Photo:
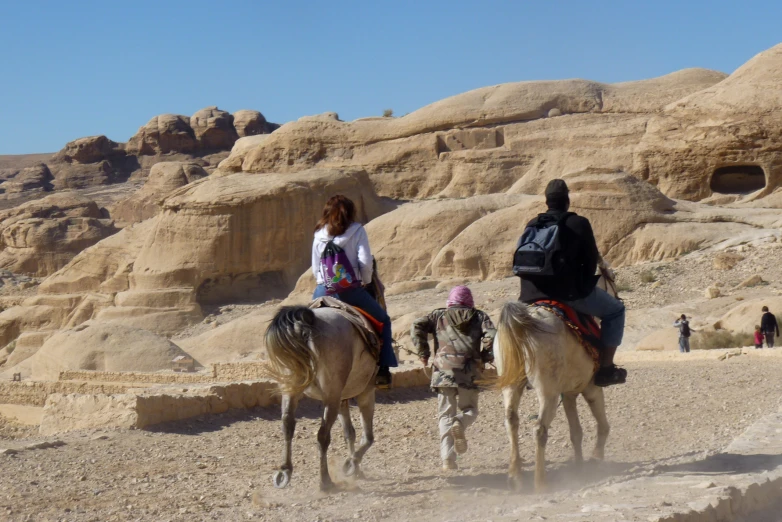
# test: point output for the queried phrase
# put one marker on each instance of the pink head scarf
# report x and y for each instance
(460, 296)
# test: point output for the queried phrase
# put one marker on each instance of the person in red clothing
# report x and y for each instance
(758, 337)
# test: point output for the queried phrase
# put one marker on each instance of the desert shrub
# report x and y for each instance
(727, 260)
(387, 113)
(625, 287)
(647, 276)
(12, 346)
(710, 340)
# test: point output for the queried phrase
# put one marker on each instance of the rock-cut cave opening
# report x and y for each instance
(738, 179)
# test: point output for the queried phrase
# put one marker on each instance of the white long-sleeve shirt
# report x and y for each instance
(354, 242)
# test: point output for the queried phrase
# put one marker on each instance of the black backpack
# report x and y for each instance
(685, 330)
(540, 252)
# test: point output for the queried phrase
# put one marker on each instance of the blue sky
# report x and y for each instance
(79, 68)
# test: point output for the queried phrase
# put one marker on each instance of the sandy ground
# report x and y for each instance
(219, 468)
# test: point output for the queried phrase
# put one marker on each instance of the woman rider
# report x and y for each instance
(338, 228)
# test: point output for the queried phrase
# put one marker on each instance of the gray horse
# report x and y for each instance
(320, 354)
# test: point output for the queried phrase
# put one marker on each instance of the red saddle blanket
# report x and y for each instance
(584, 326)
(375, 323)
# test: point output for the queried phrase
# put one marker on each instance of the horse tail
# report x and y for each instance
(516, 343)
(292, 362)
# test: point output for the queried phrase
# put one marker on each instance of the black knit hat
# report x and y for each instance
(557, 193)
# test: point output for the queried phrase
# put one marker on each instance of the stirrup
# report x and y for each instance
(383, 381)
(611, 377)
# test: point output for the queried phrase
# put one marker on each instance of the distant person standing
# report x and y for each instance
(758, 337)
(769, 327)
(684, 333)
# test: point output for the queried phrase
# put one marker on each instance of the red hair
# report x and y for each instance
(338, 214)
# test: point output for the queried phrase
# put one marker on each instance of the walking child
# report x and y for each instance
(463, 339)
(758, 337)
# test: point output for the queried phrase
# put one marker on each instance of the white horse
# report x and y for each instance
(534, 345)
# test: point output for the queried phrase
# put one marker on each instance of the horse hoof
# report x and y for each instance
(349, 468)
(514, 483)
(328, 487)
(281, 478)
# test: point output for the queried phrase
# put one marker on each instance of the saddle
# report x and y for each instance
(366, 325)
(583, 326)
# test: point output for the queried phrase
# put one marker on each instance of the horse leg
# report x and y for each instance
(330, 412)
(511, 396)
(596, 400)
(282, 476)
(548, 409)
(347, 427)
(576, 433)
(366, 407)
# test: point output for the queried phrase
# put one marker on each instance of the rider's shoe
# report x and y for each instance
(459, 440)
(383, 377)
(610, 375)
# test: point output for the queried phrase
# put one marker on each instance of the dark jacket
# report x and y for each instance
(768, 323)
(581, 253)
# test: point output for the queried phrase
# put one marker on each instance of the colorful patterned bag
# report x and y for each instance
(336, 270)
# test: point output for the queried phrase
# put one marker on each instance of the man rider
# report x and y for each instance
(576, 286)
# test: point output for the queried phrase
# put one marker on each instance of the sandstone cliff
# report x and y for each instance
(220, 239)
(661, 167)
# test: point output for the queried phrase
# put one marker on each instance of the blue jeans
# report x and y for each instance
(361, 298)
(609, 309)
(684, 344)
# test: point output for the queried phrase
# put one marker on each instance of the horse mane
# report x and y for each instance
(291, 361)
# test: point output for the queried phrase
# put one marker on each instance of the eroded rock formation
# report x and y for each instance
(28, 181)
(42, 236)
(163, 134)
(205, 139)
(102, 347)
(163, 179)
(675, 131)
(230, 238)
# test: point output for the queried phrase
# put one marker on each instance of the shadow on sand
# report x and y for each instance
(725, 463)
(308, 409)
(567, 476)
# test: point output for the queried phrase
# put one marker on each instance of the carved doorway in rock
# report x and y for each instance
(738, 179)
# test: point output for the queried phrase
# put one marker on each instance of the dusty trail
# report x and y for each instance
(219, 468)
